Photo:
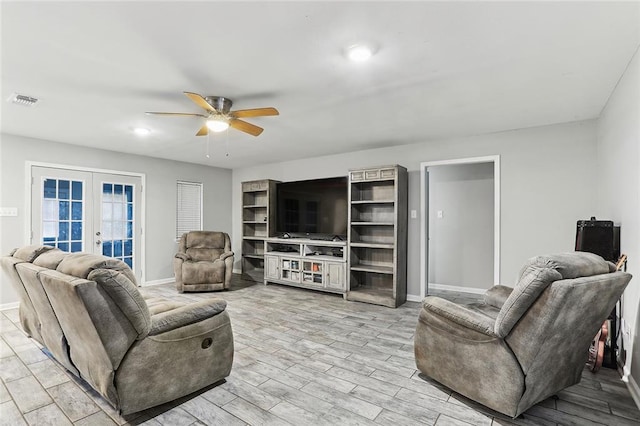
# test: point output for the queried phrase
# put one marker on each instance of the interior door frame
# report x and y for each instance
(28, 169)
(424, 215)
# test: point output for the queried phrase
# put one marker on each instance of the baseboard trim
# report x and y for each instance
(12, 305)
(158, 282)
(457, 288)
(414, 298)
(634, 389)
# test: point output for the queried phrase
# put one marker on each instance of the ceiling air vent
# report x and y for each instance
(22, 99)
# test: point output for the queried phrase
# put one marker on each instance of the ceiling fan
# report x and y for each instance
(219, 116)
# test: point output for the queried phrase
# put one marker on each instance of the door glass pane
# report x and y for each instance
(61, 220)
(117, 221)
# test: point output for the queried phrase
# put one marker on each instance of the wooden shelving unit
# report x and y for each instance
(258, 224)
(377, 236)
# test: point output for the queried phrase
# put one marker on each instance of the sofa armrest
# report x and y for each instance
(226, 254)
(183, 256)
(459, 314)
(185, 315)
(497, 295)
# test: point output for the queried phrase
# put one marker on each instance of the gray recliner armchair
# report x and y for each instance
(204, 261)
(522, 344)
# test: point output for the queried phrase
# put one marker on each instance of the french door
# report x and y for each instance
(87, 211)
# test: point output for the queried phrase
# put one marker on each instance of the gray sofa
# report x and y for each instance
(136, 351)
(522, 344)
(204, 261)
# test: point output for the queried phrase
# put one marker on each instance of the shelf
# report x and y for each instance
(372, 224)
(255, 206)
(372, 295)
(254, 222)
(373, 268)
(373, 245)
(254, 238)
(372, 201)
(283, 253)
(253, 256)
(319, 258)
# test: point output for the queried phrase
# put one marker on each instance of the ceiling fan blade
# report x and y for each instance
(188, 114)
(204, 131)
(255, 112)
(200, 101)
(243, 126)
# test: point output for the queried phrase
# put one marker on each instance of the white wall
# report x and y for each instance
(618, 134)
(160, 193)
(461, 241)
(547, 184)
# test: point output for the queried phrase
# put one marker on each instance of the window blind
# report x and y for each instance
(189, 208)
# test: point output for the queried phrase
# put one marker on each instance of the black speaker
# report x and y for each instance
(598, 236)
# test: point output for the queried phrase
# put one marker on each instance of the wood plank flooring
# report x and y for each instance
(301, 358)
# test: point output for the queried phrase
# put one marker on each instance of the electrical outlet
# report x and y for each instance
(440, 214)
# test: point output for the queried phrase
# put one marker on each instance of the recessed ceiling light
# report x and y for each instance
(141, 131)
(359, 52)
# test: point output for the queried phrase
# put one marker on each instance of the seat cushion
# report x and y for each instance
(203, 272)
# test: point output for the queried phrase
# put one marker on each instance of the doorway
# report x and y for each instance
(460, 224)
(86, 210)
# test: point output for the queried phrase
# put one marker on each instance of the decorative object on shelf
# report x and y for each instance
(377, 235)
(258, 224)
(219, 116)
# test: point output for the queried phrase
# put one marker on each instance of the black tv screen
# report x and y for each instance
(312, 208)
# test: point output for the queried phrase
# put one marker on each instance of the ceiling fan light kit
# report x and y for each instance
(219, 116)
(218, 124)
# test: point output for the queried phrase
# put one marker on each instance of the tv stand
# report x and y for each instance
(313, 264)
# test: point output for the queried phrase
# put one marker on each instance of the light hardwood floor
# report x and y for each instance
(301, 358)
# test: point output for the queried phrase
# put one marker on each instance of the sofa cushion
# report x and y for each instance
(50, 259)
(81, 264)
(533, 281)
(209, 254)
(30, 253)
(126, 296)
(571, 265)
(205, 239)
(203, 272)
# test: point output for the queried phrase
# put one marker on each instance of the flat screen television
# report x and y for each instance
(315, 209)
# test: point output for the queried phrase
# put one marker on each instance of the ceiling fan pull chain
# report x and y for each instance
(207, 152)
(227, 144)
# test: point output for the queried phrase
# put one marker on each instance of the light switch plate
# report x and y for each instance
(8, 211)
(414, 214)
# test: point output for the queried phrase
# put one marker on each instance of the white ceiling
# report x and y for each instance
(441, 70)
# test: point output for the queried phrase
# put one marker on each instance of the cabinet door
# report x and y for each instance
(271, 267)
(335, 275)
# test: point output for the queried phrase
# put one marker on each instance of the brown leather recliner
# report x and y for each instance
(204, 261)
